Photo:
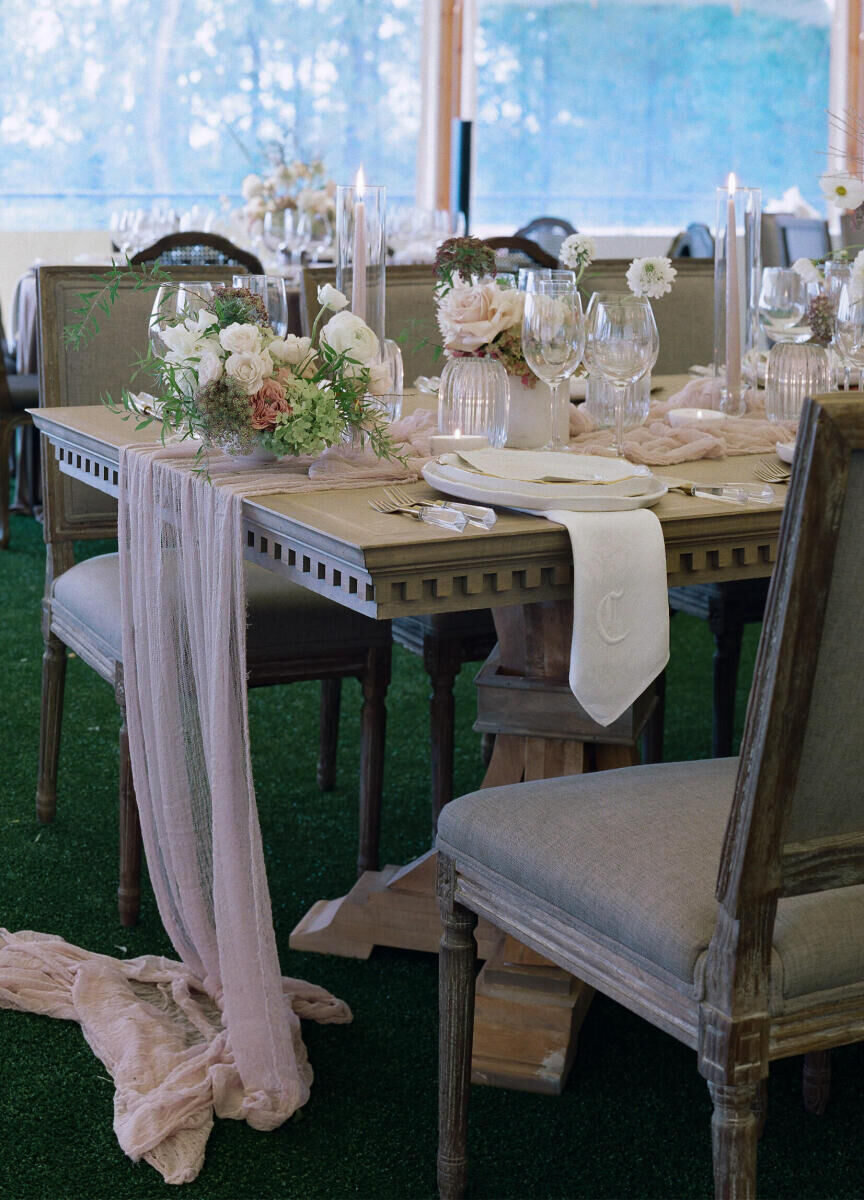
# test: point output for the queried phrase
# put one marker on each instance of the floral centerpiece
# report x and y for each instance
(291, 185)
(222, 374)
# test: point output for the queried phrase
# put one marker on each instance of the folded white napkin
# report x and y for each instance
(620, 607)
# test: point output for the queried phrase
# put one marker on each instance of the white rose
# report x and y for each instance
(290, 349)
(471, 315)
(252, 185)
(241, 339)
(202, 322)
(249, 369)
(209, 368)
(807, 269)
(348, 334)
(330, 297)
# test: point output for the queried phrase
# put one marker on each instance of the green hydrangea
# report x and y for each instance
(313, 423)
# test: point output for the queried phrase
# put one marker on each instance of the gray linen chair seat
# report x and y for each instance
(89, 592)
(23, 391)
(583, 845)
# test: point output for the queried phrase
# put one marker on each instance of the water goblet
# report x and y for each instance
(274, 297)
(621, 345)
(848, 339)
(782, 303)
(553, 341)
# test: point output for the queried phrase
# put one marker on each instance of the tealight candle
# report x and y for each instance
(452, 443)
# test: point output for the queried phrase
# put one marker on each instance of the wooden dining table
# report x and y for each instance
(332, 542)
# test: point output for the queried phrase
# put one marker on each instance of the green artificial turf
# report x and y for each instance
(633, 1120)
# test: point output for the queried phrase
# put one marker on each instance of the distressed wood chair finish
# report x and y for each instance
(17, 394)
(293, 634)
(722, 901)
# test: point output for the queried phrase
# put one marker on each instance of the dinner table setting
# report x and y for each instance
(498, 492)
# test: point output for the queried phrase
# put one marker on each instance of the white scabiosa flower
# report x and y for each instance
(651, 277)
(577, 251)
(842, 189)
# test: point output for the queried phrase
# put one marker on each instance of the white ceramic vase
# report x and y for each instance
(529, 421)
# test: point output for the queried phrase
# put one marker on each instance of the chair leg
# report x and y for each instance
(442, 659)
(129, 887)
(7, 430)
(373, 725)
(817, 1081)
(53, 683)
(331, 698)
(727, 653)
(457, 961)
(734, 1130)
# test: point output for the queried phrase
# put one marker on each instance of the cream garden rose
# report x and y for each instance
(472, 315)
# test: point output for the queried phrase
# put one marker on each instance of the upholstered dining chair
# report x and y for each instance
(547, 232)
(513, 252)
(17, 394)
(696, 241)
(721, 900)
(292, 634)
(195, 248)
(786, 238)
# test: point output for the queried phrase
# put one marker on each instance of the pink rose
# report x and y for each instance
(267, 403)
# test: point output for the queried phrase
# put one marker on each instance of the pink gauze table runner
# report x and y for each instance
(219, 1031)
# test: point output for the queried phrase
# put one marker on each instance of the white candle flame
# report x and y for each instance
(732, 183)
(457, 432)
(360, 183)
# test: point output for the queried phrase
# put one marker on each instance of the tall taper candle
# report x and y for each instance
(733, 301)
(358, 278)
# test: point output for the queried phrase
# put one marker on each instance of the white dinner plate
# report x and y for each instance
(582, 473)
(786, 451)
(535, 497)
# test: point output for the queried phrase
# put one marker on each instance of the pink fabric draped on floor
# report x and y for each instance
(219, 1031)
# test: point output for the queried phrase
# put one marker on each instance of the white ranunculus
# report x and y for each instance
(348, 334)
(241, 339)
(290, 349)
(202, 321)
(842, 190)
(181, 342)
(807, 269)
(331, 297)
(249, 369)
(252, 185)
(651, 277)
(472, 315)
(209, 368)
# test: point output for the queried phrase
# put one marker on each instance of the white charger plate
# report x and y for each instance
(785, 451)
(535, 497)
(583, 473)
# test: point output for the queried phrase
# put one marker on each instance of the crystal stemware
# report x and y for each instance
(782, 303)
(553, 341)
(274, 296)
(621, 345)
(848, 339)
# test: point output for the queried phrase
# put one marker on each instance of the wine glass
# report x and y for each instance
(553, 340)
(782, 303)
(848, 338)
(271, 289)
(175, 302)
(621, 345)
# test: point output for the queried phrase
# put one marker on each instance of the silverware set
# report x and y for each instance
(443, 513)
(772, 470)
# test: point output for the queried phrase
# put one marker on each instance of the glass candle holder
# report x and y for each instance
(737, 278)
(361, 251)
(795, 371)
(474, 399)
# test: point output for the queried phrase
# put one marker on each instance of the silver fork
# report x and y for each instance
(770, 471)
(476, 514)
(444, 518)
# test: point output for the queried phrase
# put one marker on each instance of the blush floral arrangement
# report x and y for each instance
(290, 185)
(222, 375)
(480, 312)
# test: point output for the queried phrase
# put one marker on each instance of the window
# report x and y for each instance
(627, 113)
(116, 103)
